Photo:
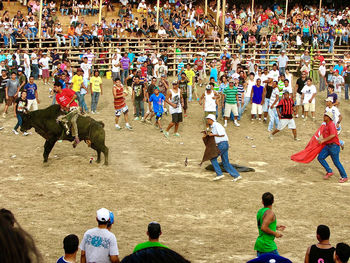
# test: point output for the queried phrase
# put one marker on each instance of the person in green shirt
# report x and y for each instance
(267, 226)
(153, 233)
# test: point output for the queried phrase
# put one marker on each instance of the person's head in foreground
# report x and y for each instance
(323, 233)
(154, 231)
(210, 119)
(267, 199)
(327, 117)
(16, 245)
(341, 253)
(155, 255)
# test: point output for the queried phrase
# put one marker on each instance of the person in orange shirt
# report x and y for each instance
(73, 37)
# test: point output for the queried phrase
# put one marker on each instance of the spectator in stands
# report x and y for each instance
(70, 246)
(104, 251)
(323, 251)
(153, 232)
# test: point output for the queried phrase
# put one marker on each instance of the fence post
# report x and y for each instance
(175, 59)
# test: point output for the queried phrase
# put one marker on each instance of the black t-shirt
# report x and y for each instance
(130, 80)
(21, 105)
(3, 83)
(318, 253)
(268, 91)
(183, 86)
(138, 89)
(301, 83)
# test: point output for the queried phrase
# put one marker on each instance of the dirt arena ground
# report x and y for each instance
(147, 181)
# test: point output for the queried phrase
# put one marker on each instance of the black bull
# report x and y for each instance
(44, 123)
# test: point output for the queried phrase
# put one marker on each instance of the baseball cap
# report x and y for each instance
(208, 87)
(102, 215)
(329, 99)
(323, 62)
(283, 51)
(211, 116)
(175, 82)
(163, 75)
(20, 69)
(329, 114)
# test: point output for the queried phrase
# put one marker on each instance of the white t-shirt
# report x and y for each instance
(282, 61)
(115, 66)
(336, 113)
(26, 60)
(45, 62)
(274, 74)
(275, 94)
(161, 32)
(248, 91)
(217, 128)
(34, 58)
(308, 92)
(98, 245)
(322, 70)
(86, 68)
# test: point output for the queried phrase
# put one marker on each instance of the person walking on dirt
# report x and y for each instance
(267, 226)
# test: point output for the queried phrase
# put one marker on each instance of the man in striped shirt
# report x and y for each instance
(285, 109)
(119, 104)
(231, 95)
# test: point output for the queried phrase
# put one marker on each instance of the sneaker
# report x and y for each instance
(327, 176)
(296, 116)
(92, 112)
(136, 119)
(237, 178)
(296, 139)
(142, 119)
(118, 127)
(265, 120)
(128, 127)
(259, 119)
(1, 128)
(177, 134)
(218, 177)
(4, 115)
(343, 180)
(161, 130)
(25, 134)
(15, 132)
(166, 134)
(225, 125)
(302, 116)
(271, 136)
(236, 124)
(342, 146)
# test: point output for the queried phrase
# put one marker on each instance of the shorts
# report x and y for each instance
(230, 108)
(298, 99)
(45, 73)
(284, 122)
(256, 109)
(176, 117)
(158, 115)
(10, 100)
(184, 96)
(309, 107)
(2, 96)
(119, 112)
(266, 105)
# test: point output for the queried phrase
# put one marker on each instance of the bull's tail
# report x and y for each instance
(101, 123)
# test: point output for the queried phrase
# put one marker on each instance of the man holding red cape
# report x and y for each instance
(329, 145)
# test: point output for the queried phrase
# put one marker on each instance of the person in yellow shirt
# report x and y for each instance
(190, 75)
(96, 90)
(77, 85)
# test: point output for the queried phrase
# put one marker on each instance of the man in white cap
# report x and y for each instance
(99, 244)
(332, 148)
(221, 140)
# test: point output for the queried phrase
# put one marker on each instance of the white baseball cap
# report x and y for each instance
(329, 99)
(211, 116)
(102, 215)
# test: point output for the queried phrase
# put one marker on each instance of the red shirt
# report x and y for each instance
(264, 17)
(223, 65)
(65, 97)
(144, 71)
(328, 130)
(119, 103)
(199, 64)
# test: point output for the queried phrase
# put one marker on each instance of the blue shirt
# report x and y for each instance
(2, 57)
(157, 102)
(30, 88)
(61, 260)
(180, 66)
(339, 68)
(214, 74)
(131, 56)
(176, 24)
(63, 84)
(257, 94)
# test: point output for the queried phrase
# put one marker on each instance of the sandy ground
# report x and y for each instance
(147, 180)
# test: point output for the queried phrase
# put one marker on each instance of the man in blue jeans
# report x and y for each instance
(332, 148)
(221, 140)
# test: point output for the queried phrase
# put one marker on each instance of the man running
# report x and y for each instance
(176, 102)
(332, 148)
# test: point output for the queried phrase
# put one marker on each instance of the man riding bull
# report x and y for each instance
(66, 98)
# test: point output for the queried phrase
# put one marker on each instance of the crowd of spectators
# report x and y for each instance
(266, 27)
